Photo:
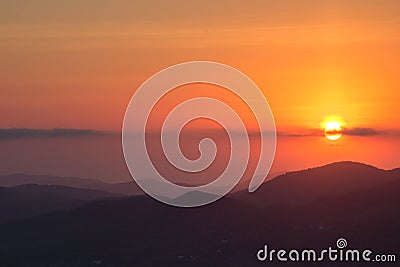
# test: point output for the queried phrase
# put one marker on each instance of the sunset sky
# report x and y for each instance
(76, 64)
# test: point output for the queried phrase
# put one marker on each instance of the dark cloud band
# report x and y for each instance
(360, 131)
(345, 131)
(14, 133)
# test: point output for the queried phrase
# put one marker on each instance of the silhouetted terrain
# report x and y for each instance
(30, 200)
(139, 231)
(302, 187)
(127, 188)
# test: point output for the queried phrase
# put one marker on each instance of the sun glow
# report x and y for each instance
(333, 127)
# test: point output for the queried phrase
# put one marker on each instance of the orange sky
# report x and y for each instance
(76, 65)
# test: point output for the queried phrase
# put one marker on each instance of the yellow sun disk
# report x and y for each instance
(332, 137)
(333, 130)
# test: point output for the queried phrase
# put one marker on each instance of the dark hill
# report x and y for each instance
(127, 188)
(139, 231)
(302, 187)
(30, 200)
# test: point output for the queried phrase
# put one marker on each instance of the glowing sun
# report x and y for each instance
(333, 126)
(333, 130)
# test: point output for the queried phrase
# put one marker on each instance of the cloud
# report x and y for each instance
(14, 133)
(299, 134)
(361, 131)
(358, 131)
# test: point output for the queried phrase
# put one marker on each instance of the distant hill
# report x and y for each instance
(190, 198)
(127, 188)
(139, 231)
(30, 200)
(301, 187)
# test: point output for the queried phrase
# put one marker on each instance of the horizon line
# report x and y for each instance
(27, 133)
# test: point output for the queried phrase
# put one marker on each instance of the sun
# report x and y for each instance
(333, 130)
(333, 127)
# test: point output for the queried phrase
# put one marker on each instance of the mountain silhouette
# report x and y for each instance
(126, 188)
(30, 200)
(301, 187)
(139, 231)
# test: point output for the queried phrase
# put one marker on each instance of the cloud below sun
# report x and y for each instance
(17, 133)
(357, 131)
(27, 133)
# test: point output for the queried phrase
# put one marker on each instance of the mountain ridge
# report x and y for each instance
(28, 200)
(302, 186)
(126, 188)
(228, 232)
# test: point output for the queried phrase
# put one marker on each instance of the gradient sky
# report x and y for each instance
(75, 64)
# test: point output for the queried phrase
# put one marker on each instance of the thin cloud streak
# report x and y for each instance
(24, 133)
(361, 131)
(16, 133)
(358, 131)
